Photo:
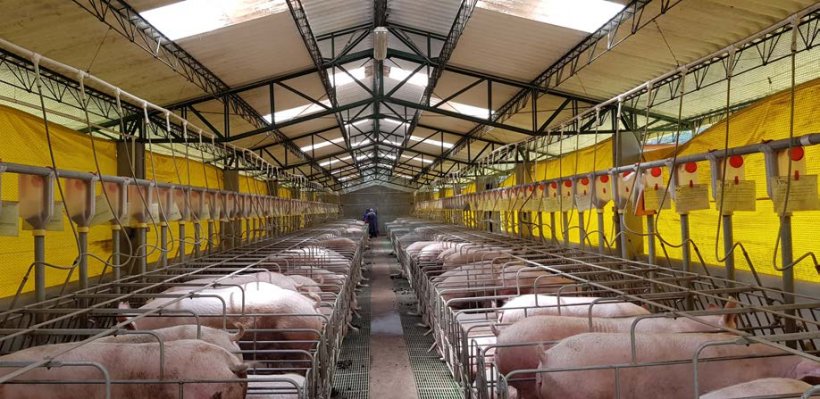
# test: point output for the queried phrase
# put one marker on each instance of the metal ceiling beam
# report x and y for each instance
(302, 119)
(456, 115)
(569, 64)
(302, 24)
(370, 146)
(123, 19)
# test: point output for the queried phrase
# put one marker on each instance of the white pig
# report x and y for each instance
(510, 355)
(259, 299)
(210, 335)
(130, 362)
(277, 279)
(458, 259)
(534, 305)
(660, 381)
(338, 244)
(307, 284)
(765, 386)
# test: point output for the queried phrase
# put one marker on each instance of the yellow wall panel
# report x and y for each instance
(24, 141)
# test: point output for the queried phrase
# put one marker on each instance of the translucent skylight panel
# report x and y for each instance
(323, 144)
(334, 160)
(417, 158)
(342, 78)
(463, 109)
(432, 142)
(295, 112)
(417, 79)
(193, 17)
(583, 15)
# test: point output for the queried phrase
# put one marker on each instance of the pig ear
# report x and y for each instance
(730, 320)
(808, 372)
(123, 319)
(240, 370)
(542, 355)
(712, 306)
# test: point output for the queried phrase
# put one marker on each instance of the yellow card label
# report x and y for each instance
(802, 194)
(9, 219)
(583, 202)
(736, 196)
(654, 200)
(692, 198)
(550, 204)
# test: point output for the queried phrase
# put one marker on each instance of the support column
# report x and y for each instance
(627, 151)
(130, 163)
(523, 175)
(229, 230)
(485, 219)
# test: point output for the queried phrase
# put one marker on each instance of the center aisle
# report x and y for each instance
(399, 365)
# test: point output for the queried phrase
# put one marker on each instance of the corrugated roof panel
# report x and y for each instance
(326, 16)
(647, 55)
(67, 33)
(434, 16)
(509, 46)
(251, 50)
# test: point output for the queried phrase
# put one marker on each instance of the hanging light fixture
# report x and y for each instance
(380, 43)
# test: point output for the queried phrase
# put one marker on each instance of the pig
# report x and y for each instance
(338, 244)
(452, 283)
(307, 284)
(519, 280)
(535, 305)
(130, 362)
(761, 387)
(464, 258)
(259, 298)
(510, 356)
(210, 335)
(457, 248)
(498, 279)
(431, 252)
(279, 386)
(660, 381)
(414, 248)
(277, 279)
(331, 282)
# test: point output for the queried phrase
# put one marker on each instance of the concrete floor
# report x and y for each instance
(391, 375)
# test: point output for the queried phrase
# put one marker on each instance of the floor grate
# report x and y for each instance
(433, 378)
(352, 378)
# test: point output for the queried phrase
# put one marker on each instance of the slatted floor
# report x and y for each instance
(432, 379)
(353, 367)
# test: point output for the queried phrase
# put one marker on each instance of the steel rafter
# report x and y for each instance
(302, 24)
(126, 21)
(370, 147)
(463, 15)
(571, 63)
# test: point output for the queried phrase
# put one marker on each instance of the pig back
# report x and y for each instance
(130, 362)
(675, 380)
(765, 386)
(528, 305)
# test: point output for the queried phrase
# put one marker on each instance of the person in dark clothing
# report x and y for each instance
(372, 222)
